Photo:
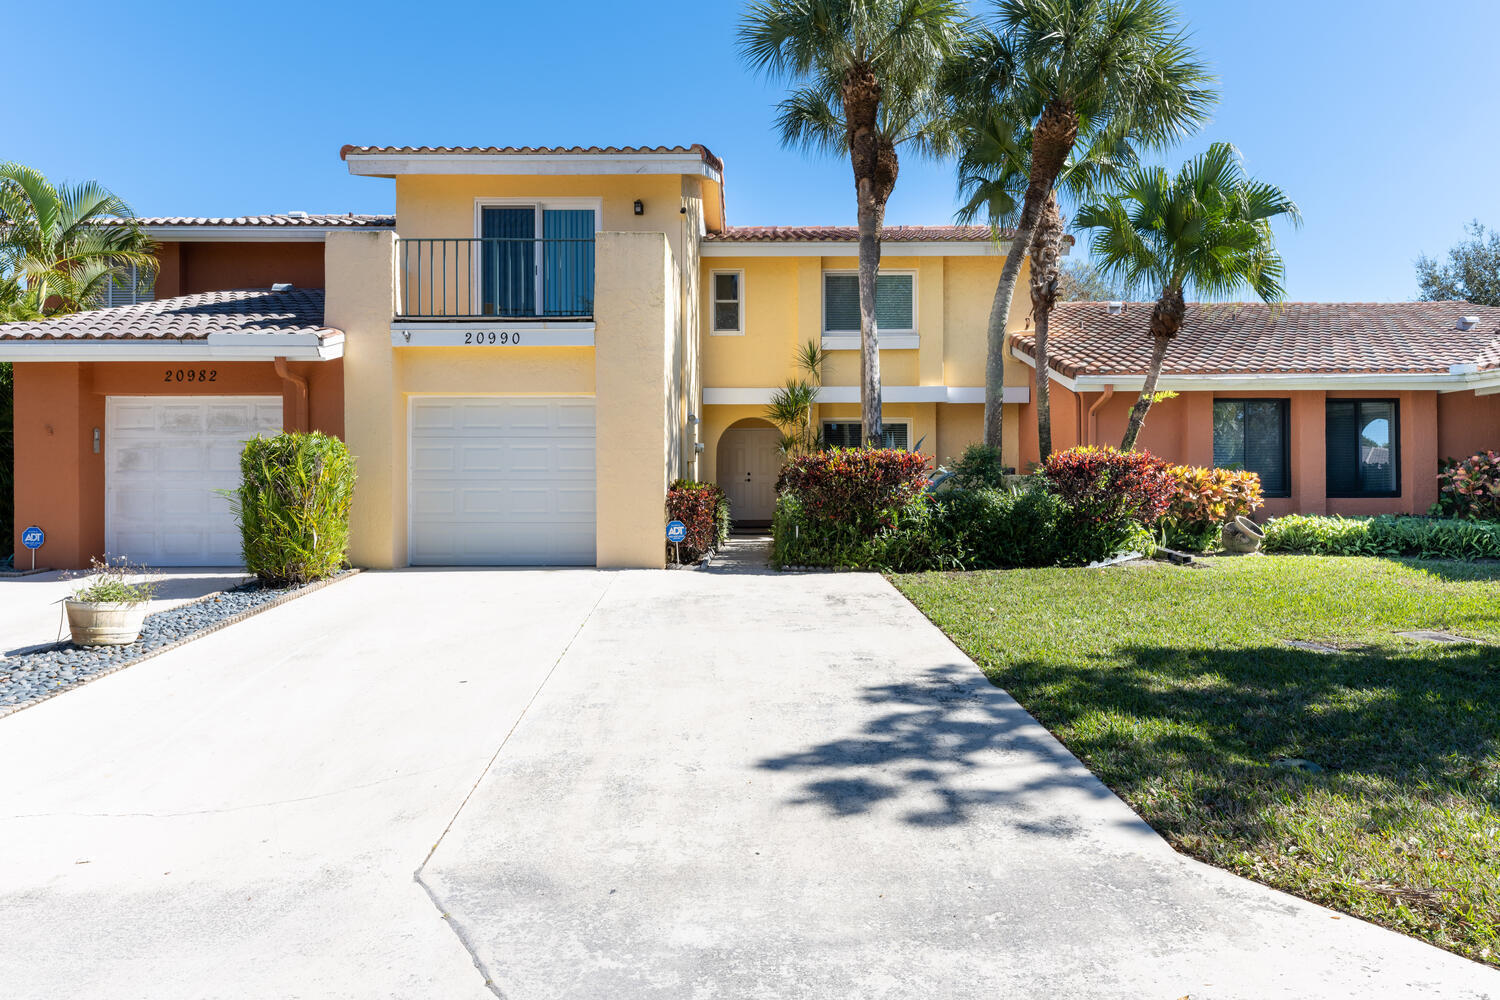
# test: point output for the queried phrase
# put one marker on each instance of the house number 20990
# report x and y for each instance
(191, 375)
(486, 338)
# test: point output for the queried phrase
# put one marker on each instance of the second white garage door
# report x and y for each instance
(502, 481)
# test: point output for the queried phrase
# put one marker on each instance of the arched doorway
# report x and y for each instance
(749, 460)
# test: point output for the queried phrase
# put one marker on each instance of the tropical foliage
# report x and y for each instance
(864, 78)
(703, 509)
(793, 406)
(55, 256)
(1202, 500)
(293, 506)
(1050, 71)
(1470, 487)
(1471, 273)
(979, 467)
(1386, 535)
(1205, 230)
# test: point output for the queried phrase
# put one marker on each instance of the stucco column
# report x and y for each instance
(1419, 449)
(633, 384)
(51, 442)
(360, 301)
(1309, 453)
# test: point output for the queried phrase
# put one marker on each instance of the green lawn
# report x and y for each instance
(1175, 686)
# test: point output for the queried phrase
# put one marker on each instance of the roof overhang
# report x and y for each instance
(759, 396)
(214, 347)
(1484, 383)
(252, 234)
(850, 248)
(533, 164)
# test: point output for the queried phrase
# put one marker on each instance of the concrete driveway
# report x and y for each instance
(628, 785)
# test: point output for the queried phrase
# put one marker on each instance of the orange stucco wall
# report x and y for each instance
(189, 268)
(1431, 425)
(59, 477)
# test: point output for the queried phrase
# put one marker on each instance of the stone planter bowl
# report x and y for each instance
(105, 623)
(1241, 535)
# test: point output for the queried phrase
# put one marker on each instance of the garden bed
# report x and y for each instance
(1267, 716)
(45, 671)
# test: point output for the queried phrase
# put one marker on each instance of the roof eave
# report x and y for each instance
(391, 164)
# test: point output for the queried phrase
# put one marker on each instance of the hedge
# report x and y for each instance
(1386, 535)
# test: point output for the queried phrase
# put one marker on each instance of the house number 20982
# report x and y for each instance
(491, 337)
(190, 375)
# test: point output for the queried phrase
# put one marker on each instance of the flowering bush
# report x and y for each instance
(860, 488)
(704, 511)
(1470, 487)
(1203, 499)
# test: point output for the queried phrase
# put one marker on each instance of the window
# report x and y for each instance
(128, 289)
(729, 303)
(895, 302)
(1251, 434)
(1363, 459)
(850, 434)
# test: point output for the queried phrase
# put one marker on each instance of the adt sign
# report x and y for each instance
(676, 531)
(33, 537)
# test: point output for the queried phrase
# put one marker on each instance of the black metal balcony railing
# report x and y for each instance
(496, 278)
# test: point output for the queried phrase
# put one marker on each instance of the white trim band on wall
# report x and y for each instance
(850, 394)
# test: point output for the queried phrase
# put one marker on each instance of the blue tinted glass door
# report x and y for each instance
(568, 262)
(508, 261)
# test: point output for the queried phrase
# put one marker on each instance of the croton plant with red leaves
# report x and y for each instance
(1108, 485)
(1470, 487)
(863, 487)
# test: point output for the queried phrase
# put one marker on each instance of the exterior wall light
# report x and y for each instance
(640, 207)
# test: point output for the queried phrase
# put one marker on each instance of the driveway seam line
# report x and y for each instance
(458, 931)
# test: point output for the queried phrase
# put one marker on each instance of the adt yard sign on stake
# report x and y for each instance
(32, 538)
(676, 531)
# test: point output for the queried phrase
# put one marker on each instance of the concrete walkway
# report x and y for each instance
(674, 784)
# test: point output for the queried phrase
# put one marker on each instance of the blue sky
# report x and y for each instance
(1378, 117)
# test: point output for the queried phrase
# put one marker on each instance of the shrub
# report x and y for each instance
(1386, 535)
(703, 508)
(1111, 496)
(979, 468)
(907, 543)
(1000, 529)
(1202, 500)
(116, 581)
(863, 489)
(1470, 487)
(293, 506)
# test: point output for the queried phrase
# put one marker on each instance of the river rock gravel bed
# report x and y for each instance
(44, 671)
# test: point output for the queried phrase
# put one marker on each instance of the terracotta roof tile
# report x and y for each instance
(351, 221)
(702, 150)
(188, 317)
(1255, 338)
(844, 234)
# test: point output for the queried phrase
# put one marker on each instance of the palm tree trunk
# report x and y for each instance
(1052, 140)
(1166, 321)
(873, 157)
(871, 219)
(1046, 251)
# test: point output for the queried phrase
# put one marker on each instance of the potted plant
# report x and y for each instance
(109, 606)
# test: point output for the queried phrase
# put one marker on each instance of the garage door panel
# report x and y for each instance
(165, 461)
(520, 488)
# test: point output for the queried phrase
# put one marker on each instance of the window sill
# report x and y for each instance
(888, 341)
(726, 333)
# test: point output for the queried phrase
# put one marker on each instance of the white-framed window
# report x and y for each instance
(895, 302)
(130, 287)
(850, 434)
(728, 290)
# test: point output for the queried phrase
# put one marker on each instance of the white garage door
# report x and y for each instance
(502, 481)
(164, 460)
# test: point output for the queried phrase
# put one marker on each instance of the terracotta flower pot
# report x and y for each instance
(105, 623)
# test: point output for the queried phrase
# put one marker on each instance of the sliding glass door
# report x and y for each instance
(533, 256)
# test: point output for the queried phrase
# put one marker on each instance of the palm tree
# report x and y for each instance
(55, 256)
(1206, 229)
(993, 177)
(864, 75)
(1118, 67)
(793, 406)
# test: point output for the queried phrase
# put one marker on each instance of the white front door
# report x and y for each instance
(750, 461)
(165, 459)
(502, 481)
